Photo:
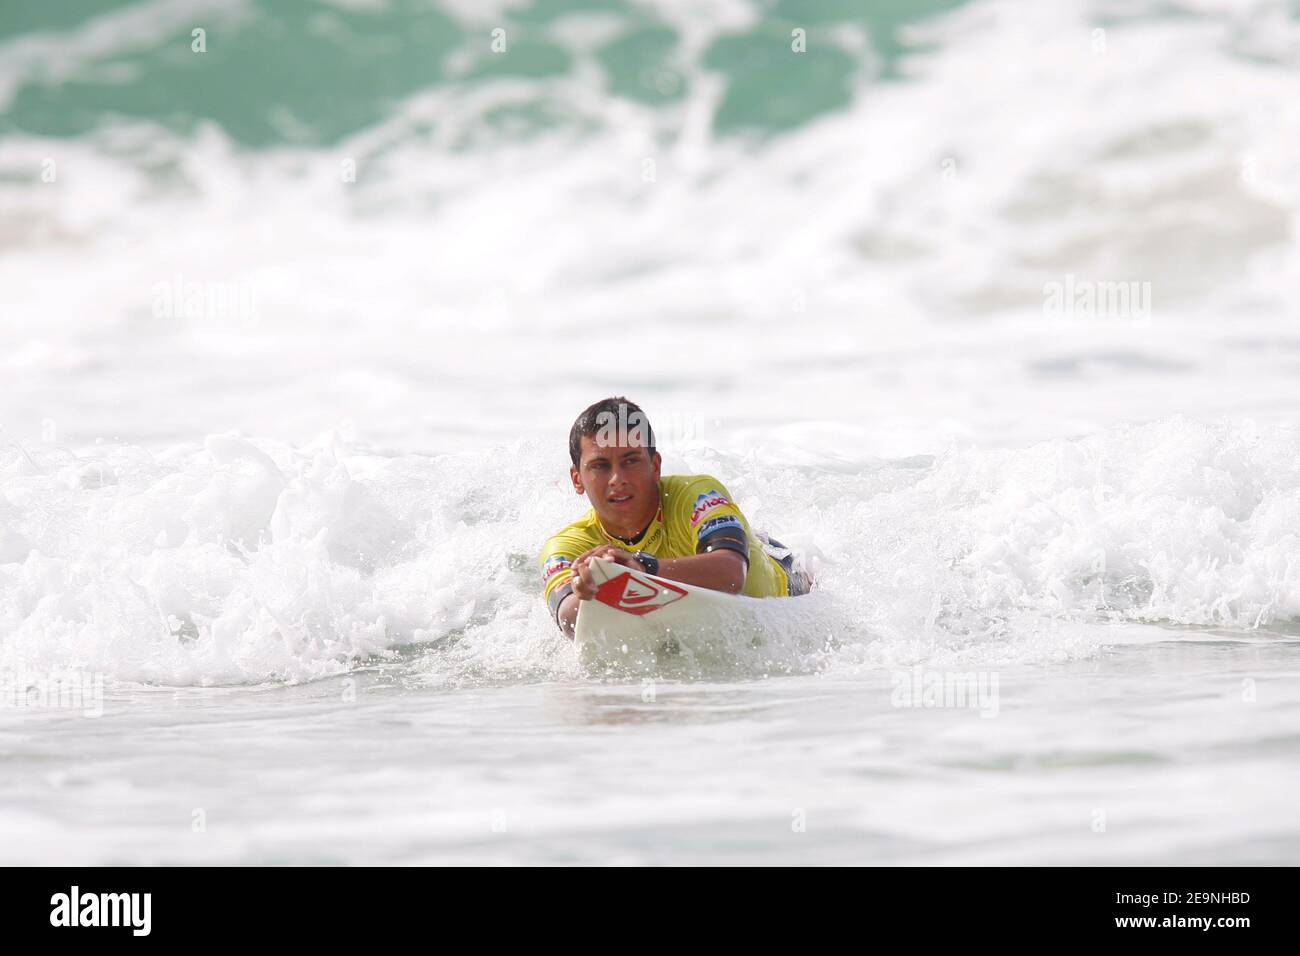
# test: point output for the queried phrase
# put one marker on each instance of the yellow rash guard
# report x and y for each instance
(696, 514)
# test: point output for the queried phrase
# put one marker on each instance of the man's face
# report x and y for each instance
(621, 481)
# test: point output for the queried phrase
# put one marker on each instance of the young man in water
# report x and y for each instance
(682, 527)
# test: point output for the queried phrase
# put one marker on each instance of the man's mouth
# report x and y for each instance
(619, 499)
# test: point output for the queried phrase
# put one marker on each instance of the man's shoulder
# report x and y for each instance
(576, 537)
(690, 496)
(700, 484)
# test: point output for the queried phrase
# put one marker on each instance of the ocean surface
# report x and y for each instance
(988, 308)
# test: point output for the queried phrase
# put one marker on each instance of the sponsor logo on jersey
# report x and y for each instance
(717, 524)
(652, 539)
(553, 566)
(635, 594)
(707, 502)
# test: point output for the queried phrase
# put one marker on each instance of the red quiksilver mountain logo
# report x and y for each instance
(634, 594)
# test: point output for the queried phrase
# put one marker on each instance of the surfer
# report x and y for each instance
(683, 527)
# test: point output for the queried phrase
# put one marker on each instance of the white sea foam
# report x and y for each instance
(406, 352)
(238, 563)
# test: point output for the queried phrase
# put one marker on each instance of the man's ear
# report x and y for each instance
(658, 460)
(577, 482)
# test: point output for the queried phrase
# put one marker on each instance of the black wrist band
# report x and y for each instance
(648, 561)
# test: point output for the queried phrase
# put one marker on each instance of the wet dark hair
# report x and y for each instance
(593, 420)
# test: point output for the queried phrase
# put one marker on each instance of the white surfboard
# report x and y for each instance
(640, 622)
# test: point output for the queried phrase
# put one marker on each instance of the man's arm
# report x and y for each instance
(721, 559)
(718, 570)
(583, 586)
(567, 615)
